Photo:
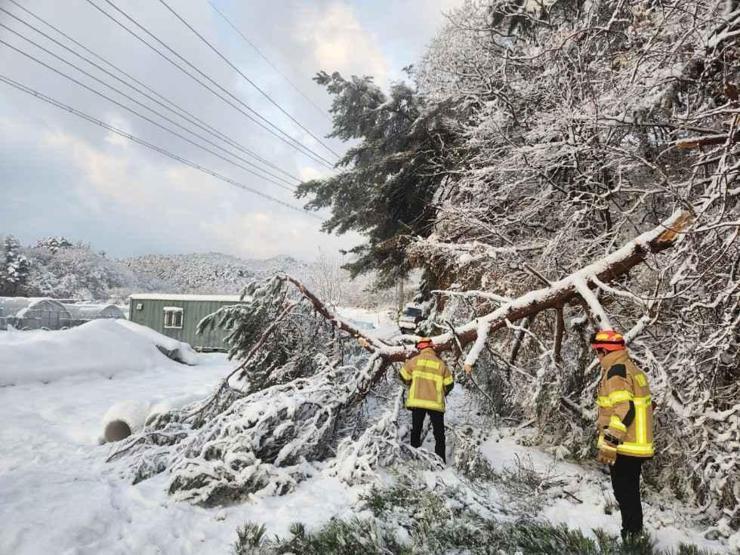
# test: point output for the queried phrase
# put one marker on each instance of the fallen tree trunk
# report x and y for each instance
(257, 443)
(554, 296)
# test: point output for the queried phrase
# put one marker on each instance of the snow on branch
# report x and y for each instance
(593, 303)
(559, 293)
(472, 251)
(368, 342)
(473, 294)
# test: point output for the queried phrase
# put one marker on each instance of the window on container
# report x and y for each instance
(173, 317)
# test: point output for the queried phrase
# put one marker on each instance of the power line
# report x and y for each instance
(246, 78)
(267, 126)
(148, 145)
(181, 112)
(285, 184)
(134, 112)
(288, 185)
(269, 62)
(272, 129)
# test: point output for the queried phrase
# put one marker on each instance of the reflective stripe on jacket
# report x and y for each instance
(625, 406)
(430, 381)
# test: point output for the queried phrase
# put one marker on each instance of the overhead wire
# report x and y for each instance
(281, 184)
(250, 113)
(270, 63)
(287, 185)
(142, 142)
(163, 101)
(246, 78)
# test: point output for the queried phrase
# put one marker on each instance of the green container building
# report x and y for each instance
(177, 316)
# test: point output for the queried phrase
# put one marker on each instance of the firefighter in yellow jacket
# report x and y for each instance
(625, 425)
(430, 381)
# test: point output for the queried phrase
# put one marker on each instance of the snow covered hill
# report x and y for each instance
(205, 272)
(60, 268)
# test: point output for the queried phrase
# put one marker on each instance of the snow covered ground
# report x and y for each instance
(57, 494)
(579, 495)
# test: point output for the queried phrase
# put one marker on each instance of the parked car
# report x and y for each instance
(410, 317)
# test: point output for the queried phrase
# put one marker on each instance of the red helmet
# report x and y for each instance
(609, 340)
(424, 343)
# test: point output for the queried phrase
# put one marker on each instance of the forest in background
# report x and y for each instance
(59, 268)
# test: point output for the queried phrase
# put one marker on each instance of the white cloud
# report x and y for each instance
(180, 201)
(307, 173)
(340, 43)
(128, 190)
(114, 175)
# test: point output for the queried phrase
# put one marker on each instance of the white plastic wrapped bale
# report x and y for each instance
(123, 419)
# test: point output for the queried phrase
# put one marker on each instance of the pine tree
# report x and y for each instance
(54, 244)
(387, 181)
(14, 268)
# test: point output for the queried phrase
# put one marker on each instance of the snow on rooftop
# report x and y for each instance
(171, 297)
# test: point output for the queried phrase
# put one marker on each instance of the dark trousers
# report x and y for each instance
(438, 427)
(625, 475)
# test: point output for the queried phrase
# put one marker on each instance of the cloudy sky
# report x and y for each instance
(60, 175)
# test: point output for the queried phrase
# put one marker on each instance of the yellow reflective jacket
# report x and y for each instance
(430, 381)
(625, 406)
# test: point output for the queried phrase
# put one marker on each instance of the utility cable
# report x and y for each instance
(268, 125)
(134, 112)
(151, 146)
(287, 185)
(246, 78)
(181, 112)
(269, 62)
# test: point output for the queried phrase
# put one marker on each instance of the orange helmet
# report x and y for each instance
(423, 343)
(609, 340)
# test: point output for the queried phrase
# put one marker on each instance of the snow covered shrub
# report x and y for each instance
(408, 520)
(249, 538)
(469, 459)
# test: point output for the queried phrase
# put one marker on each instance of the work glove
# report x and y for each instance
(607, 450)
(607, 454)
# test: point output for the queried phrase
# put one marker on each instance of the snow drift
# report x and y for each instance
(101, 347)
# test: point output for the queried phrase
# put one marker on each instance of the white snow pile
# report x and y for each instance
(100, 347)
